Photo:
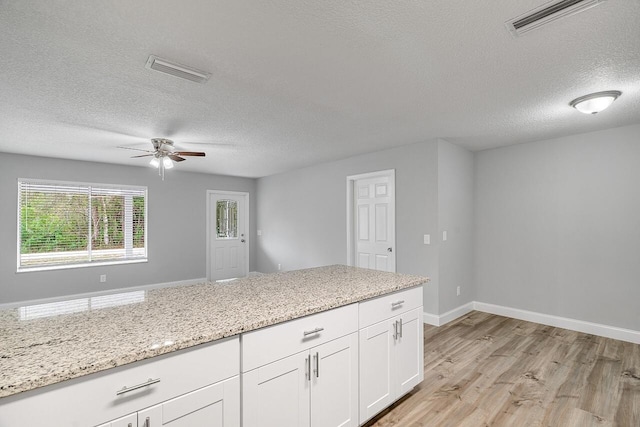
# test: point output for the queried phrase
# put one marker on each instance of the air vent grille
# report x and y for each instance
(546, 13)
(177, 70)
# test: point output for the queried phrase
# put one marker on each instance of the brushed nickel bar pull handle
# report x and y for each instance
(317, 370)
(401, 327)
(397, 303)
(149, 382)
(395, 330)
(315, 331)
(307, 368)
(147, 422)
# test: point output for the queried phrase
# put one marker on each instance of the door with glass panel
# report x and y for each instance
(227, 238)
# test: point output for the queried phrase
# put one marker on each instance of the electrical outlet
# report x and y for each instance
(279, 267)
(427, 239)
(259, 232)
(103, 278)
(444, 236)
(458, 291)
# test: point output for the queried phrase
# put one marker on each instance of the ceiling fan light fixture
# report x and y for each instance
(595, 102)
(164, 154)
(167, 163)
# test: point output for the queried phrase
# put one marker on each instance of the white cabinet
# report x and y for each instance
(391, 354)
(119, 392)
(277, 394)
(130, 420)
(336, 368)
(315, 384)
(334, 383)
(217, 405)
(408, 352)
(317, 388)
(376, 348)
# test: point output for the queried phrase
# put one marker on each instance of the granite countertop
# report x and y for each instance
(49, 343)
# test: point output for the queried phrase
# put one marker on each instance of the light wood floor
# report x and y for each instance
(488, 370)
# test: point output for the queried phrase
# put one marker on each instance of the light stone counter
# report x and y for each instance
(39, 347)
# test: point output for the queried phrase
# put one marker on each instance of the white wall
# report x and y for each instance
(302, 214)
(455, 216)
(558, 227)
(176, 238)
(554, 229)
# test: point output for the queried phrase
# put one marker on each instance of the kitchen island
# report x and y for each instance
(47, 344)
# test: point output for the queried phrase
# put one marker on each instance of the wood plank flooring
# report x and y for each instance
(488, 370)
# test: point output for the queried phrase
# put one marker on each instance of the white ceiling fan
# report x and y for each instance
(164, 153)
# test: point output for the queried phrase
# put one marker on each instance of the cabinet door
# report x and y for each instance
(128, 421)
(376, 359)
(409, 349)
(217, 405)
(277, 394)
(334, 389)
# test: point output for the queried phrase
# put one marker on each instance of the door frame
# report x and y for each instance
(351, 234)
(209, 220)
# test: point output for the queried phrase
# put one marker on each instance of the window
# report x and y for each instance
(63, 225)
(227, 219)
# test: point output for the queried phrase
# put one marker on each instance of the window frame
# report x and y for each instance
(89, 186)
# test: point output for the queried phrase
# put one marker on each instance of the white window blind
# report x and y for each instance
(62, 224)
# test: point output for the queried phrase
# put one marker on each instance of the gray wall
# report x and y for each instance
(302, 214)
(558, 227)
(175, 253)
(455, 215)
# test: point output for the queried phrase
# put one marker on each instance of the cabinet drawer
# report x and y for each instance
(92, 399)
(380, 308)
(284, 339)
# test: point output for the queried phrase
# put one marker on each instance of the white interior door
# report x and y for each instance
(374, 222)
(228, 254)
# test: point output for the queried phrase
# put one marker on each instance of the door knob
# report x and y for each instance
(389, 249)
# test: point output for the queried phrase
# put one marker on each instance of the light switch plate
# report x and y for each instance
(427, 239)
(444, 236)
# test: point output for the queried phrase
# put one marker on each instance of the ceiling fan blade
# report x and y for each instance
(190, 153)
(212, 144)
(176, 158)
(142, 155)
(134, 149)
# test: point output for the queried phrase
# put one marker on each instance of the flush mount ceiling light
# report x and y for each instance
(595, 102)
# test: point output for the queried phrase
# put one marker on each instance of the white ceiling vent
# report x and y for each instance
(546, 13)
(177, 70)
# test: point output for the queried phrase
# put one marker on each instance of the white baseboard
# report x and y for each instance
(561, 322)
(606, 331)
(431, 319)
(99, 293)
(439, 320)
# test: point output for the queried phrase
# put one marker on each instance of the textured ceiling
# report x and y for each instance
(300, 82)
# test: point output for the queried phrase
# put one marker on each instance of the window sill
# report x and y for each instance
(80, 265)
